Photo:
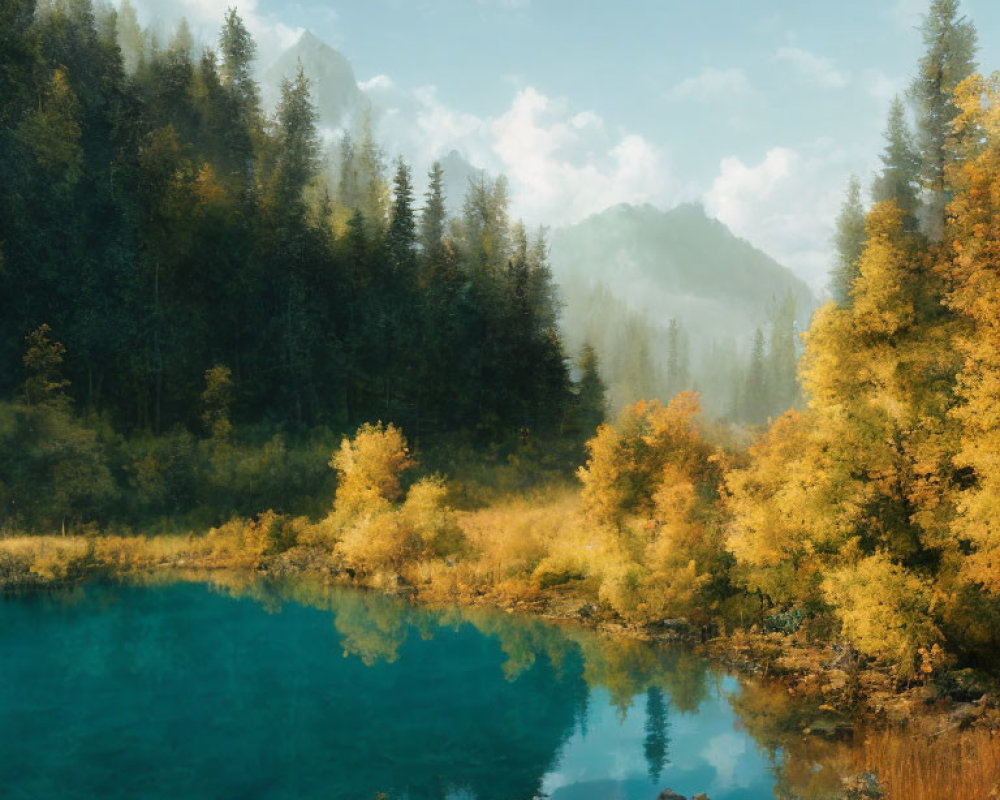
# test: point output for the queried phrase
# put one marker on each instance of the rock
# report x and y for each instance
(666, 794)
(587, 610)
(678, 626)
(964, 714)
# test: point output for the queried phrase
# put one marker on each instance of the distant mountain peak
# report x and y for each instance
(674, 262)
(332, 83)
(310, 39)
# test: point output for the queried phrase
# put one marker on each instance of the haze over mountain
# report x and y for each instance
(626, 274)
(677, 264)
(332, 83)
(632, 273)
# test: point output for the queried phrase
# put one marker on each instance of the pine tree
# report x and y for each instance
(591, 392)
(241, 116)
(432, 219)
(298, 145)
(849, 241)
(401, 238)
(899, 179)
(949, 57)
(782, 357)
(755, 396)
(678, 362)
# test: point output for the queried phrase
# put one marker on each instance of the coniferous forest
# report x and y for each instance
(205, 328)
(176, 267)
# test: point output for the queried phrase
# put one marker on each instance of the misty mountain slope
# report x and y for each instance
(626, 272)
(678, 263)
(332, 83)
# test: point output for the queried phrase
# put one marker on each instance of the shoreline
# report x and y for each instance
(839, 692)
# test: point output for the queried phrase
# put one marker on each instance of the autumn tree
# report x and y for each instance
(975, 296)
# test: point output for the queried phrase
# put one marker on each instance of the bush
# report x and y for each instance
(884, 610)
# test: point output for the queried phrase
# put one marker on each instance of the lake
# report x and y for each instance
(257, 690)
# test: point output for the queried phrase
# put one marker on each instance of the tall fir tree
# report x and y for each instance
(849, 242)
(950, 45)
(899, 178)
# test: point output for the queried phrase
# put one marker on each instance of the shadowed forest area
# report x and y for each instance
(204, 335)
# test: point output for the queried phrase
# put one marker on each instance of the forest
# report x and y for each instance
(201, 330)
(177, 268)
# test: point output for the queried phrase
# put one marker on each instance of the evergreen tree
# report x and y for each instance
(591, 392)
(849, 241)
(899, 179)
(678, 369)
(782, 358)
(755, 397)
(401, 238)
(241, 116)
(432, 219)
(949, 57)
(298, 145)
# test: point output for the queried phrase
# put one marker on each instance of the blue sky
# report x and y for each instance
(760, 110)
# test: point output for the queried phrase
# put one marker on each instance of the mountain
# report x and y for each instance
(626, 273)
(677, 264)
(332, 83)
(458, 174)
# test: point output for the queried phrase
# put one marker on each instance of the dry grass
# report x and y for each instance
(510, 539)
(957, 766)
(53, 559)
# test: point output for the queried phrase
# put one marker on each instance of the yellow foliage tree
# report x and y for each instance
(772, 502)
(974, 234)
(653, 480)
(626, 461)
(368, 468)
(376, 534)
(879, 377)
(867, 470)
(885, 610)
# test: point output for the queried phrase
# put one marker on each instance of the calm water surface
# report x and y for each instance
(261, 691)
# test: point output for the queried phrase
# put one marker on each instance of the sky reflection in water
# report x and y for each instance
(189, 691)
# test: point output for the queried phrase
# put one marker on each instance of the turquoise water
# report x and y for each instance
(190, 691)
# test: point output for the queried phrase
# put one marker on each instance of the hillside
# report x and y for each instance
(678, 263)
(627, 272)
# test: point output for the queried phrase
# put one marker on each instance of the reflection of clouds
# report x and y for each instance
(705, 753)
(607, 746)
(723, 752)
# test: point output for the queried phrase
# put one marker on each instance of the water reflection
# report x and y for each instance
(255, 689)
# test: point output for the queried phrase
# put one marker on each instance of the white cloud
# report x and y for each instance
(376, 84)
(813, 68)
(562, 164)
(786, 204)
(712, 82)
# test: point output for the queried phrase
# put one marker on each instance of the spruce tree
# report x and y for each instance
(949, 57)
(849, 241)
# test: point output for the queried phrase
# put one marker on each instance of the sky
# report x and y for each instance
(759, 110)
